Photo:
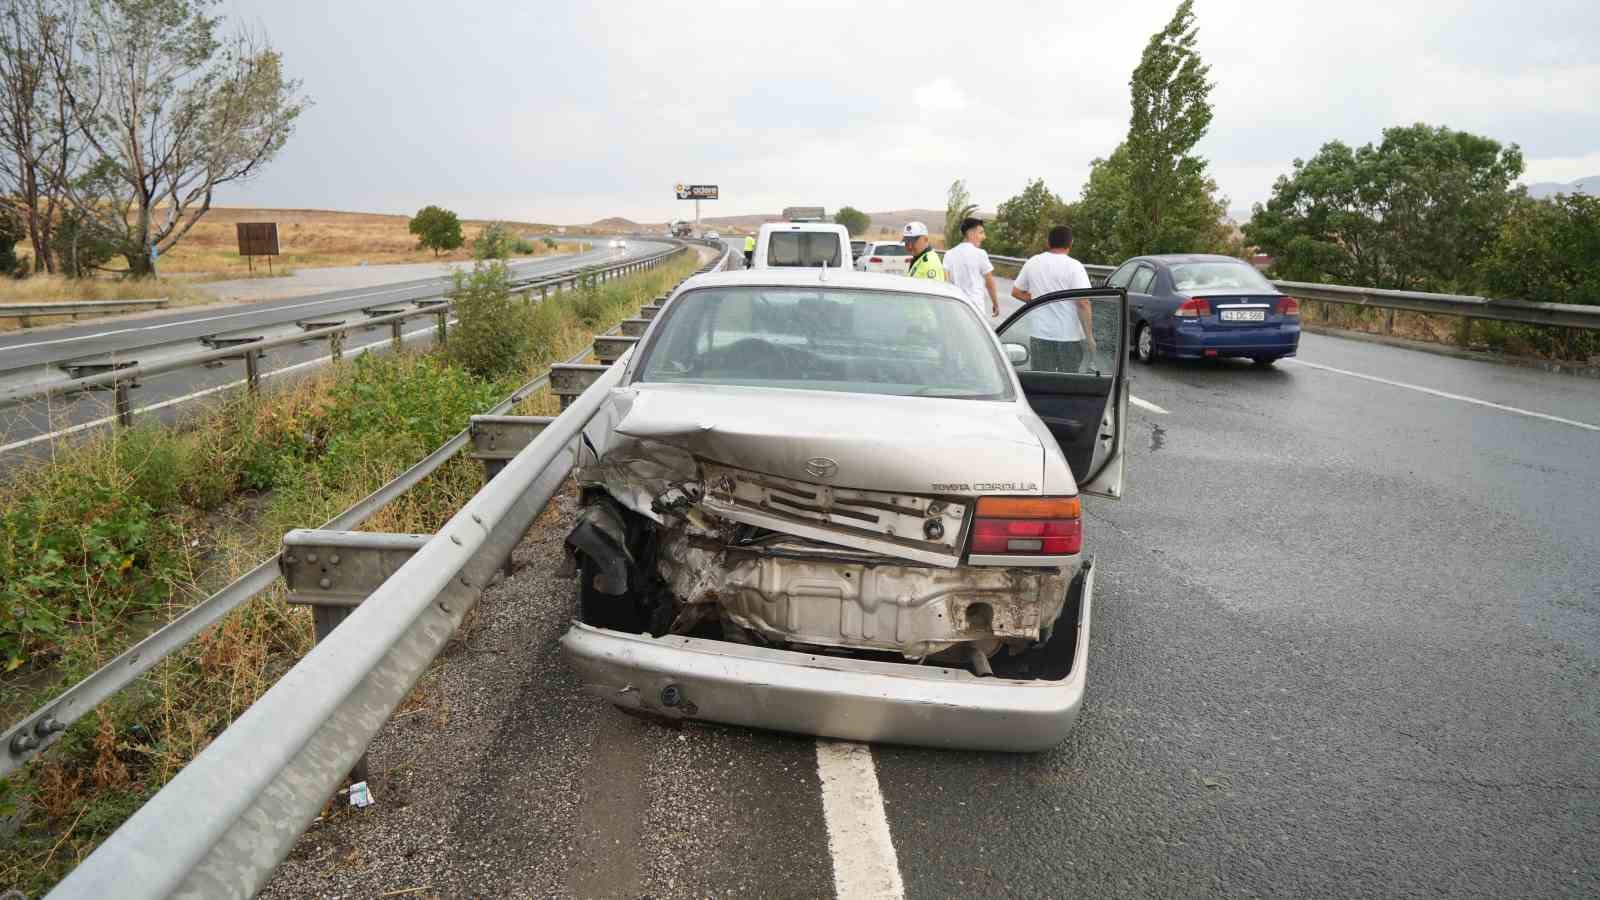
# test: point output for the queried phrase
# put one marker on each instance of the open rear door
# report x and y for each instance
(1069, 352)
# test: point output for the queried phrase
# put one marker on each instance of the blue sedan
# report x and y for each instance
(1199, 306)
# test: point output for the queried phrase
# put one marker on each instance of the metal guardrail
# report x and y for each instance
(226, 820)
(26, 312)
(1466, 306)
(106, 372)
(33, 734)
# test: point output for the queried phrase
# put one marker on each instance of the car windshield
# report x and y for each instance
(826, 339)
(1219, 278)
(803, 248)
(890, 250)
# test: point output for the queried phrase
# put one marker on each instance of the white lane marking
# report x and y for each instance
(251, 312)
(1146, 405)
(101, 334)
(864, 862)
(99, 423)
(1448, 396)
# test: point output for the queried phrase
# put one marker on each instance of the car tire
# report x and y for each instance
(1144, 344)
(1265, 361)
(604, 610)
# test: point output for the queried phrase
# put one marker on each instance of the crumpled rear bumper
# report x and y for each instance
(829, 696)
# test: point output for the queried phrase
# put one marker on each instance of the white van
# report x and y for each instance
(802, 245)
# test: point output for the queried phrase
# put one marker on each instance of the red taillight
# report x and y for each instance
(1193, 308)
(1037, 526)
(1288, 306)
(876, 259)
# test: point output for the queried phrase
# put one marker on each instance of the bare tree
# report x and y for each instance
(170, 110)
(36, 148)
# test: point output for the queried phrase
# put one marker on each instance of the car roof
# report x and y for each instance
(1170, 258)
(813, 277)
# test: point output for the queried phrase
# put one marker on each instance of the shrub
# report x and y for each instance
(82, 245)
(494, 242)
(79, 545)
(492, 338)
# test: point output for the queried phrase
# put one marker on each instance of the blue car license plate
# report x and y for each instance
(1244, 315)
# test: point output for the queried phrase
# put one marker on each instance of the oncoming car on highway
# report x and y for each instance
(822, 502)
(1198, 306)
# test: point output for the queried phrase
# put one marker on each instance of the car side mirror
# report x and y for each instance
(1017, 353)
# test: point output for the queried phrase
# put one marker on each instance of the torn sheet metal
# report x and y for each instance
(797, 592)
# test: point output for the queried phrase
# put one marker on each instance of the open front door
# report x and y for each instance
(1068, 349)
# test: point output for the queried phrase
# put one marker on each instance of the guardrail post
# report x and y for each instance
(334, 571)
(336, 345)
(569, 380)
(252, 370)
(124, 403)
(396, 334)
(1388, 321)
(444, 327)
(1464, 331)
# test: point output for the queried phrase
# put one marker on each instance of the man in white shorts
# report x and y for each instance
(967, 267)
(1061, 332)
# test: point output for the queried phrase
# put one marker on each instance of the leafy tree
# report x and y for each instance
(437, 229)
(36, 146)
(11, 231)
(1020, 224)
(854, 220)
(1095, 235)
(958, 206)
(1170, 204)
(1418, 211)
(1547, 251)
(169, 109)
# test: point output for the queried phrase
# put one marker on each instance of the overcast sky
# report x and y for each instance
(568, 112)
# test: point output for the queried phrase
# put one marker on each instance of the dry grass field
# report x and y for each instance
(307, 238)
(312, 237)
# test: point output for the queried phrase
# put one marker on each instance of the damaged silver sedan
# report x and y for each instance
(839, 504)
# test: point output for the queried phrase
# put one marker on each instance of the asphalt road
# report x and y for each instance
(1346, 642)
(27, 352)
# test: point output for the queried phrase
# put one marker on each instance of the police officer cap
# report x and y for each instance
(913, 230)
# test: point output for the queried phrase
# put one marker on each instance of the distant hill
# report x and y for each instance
(617, 222)
(1589, 185)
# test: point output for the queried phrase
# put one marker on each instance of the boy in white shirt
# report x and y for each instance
(967, 267)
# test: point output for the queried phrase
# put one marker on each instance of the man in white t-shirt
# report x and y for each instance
(1060, 332)
(967, 267)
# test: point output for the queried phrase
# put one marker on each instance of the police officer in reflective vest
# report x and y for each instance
(749, 249)
(925, 262)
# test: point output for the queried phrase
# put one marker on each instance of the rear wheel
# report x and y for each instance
(1144, 344)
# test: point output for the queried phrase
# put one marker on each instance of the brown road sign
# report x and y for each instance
(258, 238)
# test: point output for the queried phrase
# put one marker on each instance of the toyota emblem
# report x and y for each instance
(821, 467)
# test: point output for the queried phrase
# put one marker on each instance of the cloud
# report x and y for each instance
(941, 95)
(571, 111)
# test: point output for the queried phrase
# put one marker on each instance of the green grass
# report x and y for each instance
(116, 535)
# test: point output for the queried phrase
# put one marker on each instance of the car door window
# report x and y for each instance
(1066, 348)
(1122, 276)
(1142, 280)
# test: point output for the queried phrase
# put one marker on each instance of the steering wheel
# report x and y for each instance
(757, 357)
